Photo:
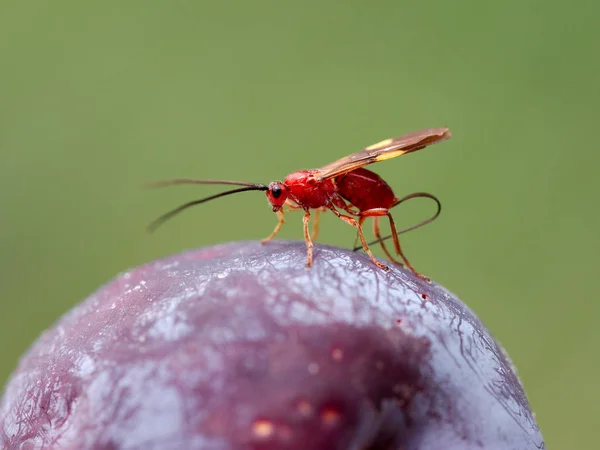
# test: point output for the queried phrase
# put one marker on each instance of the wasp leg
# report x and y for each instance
(377, 233)
(277, 228)
(315, 230)
(309, 244)
(352, 212)
(379, 212)
(291, 206)
(352, 222)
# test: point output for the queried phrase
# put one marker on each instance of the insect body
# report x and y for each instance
(343, 187)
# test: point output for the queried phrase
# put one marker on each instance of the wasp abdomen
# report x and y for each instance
(365, 190)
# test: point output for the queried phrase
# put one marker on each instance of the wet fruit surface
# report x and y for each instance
(239, 346)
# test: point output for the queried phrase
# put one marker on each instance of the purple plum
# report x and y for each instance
(240, 346)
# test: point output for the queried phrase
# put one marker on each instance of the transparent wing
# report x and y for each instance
(390, 148)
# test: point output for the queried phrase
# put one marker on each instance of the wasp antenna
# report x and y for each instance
(174, 181)
(162, 219)
(417, 225)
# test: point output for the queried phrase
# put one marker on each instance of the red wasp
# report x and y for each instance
(343, 185)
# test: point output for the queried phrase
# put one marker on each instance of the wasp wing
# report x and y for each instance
(390, 148)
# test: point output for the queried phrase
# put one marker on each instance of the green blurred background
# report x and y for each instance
(97, 98)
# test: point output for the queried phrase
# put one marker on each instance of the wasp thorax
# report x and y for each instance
(277, 194)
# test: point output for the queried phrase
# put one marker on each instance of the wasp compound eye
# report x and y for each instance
(276, 191)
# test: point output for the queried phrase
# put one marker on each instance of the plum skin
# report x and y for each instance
(239, 346)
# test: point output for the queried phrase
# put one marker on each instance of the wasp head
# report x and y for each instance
(277, 194)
